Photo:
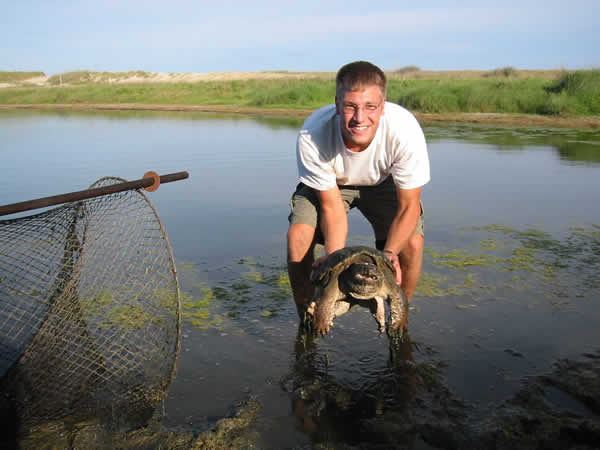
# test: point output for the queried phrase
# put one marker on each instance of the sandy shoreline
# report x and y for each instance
(525, 120)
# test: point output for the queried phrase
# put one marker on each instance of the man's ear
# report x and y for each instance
(337, 106)
(383, 106)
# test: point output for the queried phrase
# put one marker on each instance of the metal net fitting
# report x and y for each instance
(89, 311)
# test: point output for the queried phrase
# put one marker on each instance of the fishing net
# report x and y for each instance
(89, 311)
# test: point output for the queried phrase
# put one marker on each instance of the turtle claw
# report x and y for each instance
(306, 318)
(395, 334)
(322, 330)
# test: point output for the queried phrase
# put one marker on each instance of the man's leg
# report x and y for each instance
(300, 245)
(411, 261)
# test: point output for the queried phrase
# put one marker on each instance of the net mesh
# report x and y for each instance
(89, 310)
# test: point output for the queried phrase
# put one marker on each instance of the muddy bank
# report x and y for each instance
(233, 431)
(524, 120)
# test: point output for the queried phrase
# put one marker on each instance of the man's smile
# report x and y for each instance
(360, 111)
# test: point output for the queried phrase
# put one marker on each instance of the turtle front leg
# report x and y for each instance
(342, 306)
(377, 309)
(323, 309)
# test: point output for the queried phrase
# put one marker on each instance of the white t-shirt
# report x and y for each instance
(398, 148)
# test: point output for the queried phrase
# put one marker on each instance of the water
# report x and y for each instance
(509, 282)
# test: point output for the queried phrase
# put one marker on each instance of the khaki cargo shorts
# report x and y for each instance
(377, 203)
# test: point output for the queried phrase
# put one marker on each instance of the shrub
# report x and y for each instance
(407, 69)
(580, 88)
(506, 72)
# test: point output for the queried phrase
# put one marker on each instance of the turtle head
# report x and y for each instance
(361, 280)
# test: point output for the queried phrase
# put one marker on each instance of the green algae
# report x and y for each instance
(129, 310)
(167, 299)
(197, 309)
(130, 316)
(508, 258)
(255, 290)
(429, 285)
(460, 259)
(253, 275)
(489, 244)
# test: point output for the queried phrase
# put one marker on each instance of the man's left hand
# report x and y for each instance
(396, 263)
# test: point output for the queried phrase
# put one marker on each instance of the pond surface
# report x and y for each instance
(510, 279)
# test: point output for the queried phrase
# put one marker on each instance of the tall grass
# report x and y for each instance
(573, 93)
(578, 92)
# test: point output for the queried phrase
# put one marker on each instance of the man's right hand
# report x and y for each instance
(396, 263)
(315, 267)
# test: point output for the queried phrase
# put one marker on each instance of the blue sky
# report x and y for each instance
(217, 36)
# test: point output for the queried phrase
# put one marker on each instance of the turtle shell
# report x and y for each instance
(345, 257)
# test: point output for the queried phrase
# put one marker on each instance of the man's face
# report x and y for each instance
(360, 111)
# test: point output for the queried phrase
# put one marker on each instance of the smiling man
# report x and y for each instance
(361, 152)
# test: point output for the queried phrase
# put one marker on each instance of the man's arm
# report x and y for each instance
(334, 222)
(403, 225)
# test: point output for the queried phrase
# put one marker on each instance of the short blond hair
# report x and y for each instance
(357, 75)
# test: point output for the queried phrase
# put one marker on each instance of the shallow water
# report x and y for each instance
(509, 284)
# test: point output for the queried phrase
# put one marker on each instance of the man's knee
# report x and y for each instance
(413, 249)
(415, 243)
(300, 241)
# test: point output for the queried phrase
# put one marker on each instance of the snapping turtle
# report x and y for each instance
(357, 275)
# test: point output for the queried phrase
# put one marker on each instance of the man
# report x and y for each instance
(361, 152)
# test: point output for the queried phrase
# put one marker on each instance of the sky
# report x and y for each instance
(313, 35)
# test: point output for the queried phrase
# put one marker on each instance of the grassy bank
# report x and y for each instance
(504, 91)
(573, 94)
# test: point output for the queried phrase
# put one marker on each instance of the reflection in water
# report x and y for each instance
(580, 146)
(331, 409)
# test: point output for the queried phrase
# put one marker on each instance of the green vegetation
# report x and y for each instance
(15, 77)
(503, 90)
(575, 93)
(580, 90)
